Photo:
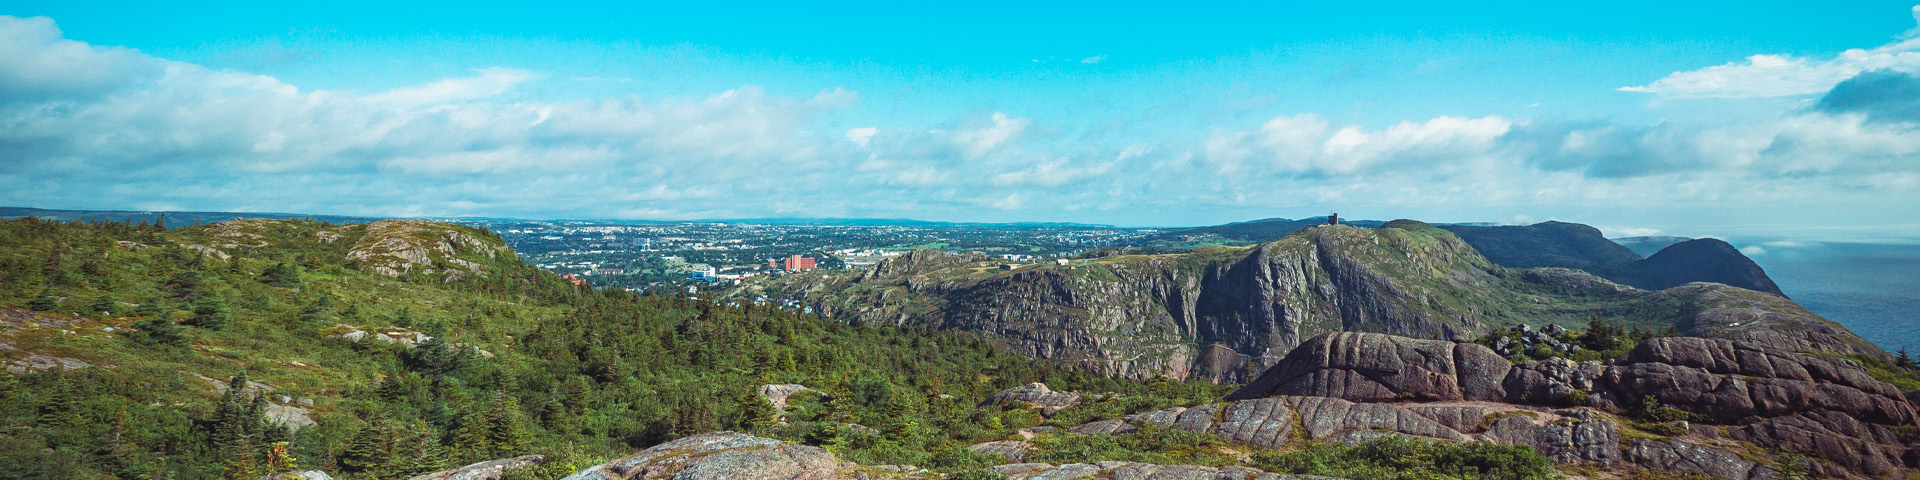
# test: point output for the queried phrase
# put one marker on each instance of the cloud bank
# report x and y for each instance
(88, 126)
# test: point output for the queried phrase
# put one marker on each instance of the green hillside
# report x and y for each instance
(312, 321)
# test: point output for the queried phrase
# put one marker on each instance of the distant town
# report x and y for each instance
(643, 256)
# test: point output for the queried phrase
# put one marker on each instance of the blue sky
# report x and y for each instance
(1674, 117)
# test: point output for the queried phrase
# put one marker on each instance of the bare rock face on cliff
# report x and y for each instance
(1351, 385)
(1377, 368)
(1225, 313)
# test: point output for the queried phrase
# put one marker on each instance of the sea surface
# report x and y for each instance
(1872, 289)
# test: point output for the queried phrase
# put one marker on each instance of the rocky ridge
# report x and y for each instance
(1219, 313)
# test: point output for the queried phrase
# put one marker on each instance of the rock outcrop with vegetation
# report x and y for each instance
(1224, 313)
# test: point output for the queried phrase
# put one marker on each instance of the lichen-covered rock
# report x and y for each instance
(1584, 436)
(1136, 471)
(1682, 457)
(777, 394)
(1551, 381)
(1013, 450)
(720, 456)
(1036, 395)
(1371, 367)
(40, 363)
(298, 475)
(1732, 382)
(487, 470)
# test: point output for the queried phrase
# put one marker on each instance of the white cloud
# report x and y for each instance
(40, 64)
(488, 83)
(1753, 250)
(1094, 59)
(862, 135)
(978, 141)
(1771, 75)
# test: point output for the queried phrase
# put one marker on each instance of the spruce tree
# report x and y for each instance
(472, 433)
(62, 408)
(756, 413)
(319, 312)
(162, 331)
(210, 313)
(45, 301)
(9, 385)
(242, 463)
(506, 434)
(373, 451)
(103, 304)
(281, 275)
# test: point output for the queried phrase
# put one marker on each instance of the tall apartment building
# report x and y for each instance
(797, 263)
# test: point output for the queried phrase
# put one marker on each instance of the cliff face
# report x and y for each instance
(1212, 312)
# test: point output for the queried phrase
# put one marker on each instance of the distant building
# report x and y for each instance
(573, 279)
(610, 271)
(797, 263)
(1333, 219)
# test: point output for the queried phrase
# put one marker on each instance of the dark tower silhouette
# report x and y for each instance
(1333, 219)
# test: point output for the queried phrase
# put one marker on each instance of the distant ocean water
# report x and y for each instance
(1872, 289)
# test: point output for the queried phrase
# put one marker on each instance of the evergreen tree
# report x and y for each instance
(210, 313)
(9, 385)
(506, 434)
(374, 451)
(62, 408)
(162, 331)
(281, 275)
(1601, 336)
(1905, 360)
(152, 307)
(45, 301)
(186, 286)
(103, 304)
(756, 413)
(433, 357)
(472, 432)
(241, 462)
(117, 450)
(319, 312)
(425, 454)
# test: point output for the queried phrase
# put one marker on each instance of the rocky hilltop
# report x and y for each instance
(1701, 260)
(1545, 244)
(1221, 312)
(1675, 262)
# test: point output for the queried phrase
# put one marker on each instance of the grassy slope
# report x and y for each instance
(580, 375)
